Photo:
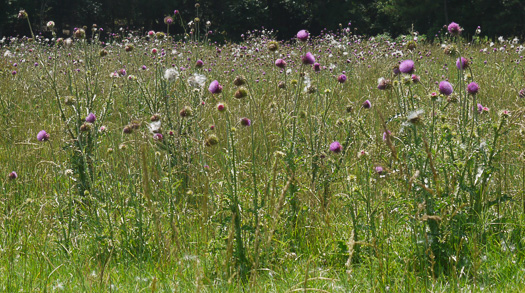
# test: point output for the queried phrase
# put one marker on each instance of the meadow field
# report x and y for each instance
(147, 162)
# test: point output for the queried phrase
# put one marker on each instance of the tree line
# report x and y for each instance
(231, 18)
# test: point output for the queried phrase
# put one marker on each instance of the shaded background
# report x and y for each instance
(496, 17)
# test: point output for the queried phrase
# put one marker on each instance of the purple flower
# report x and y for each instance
(42, 136)
(385, 134)
(280, 63)
(379, 170)
(406, 66)
(367, 104)
(158, 136)
(472, 88)
(454, 29)
(246, 122)
(91, 118)
(521, 93)
(317, 67)
(341, 78)
(480, 108)
(336, 147)
(13, 175)
(415, 78)
(302, 35)
(215, 87)
(199, 63)
(308, 58)
(383, 83)
(462, 63)
(175, 12)
(445, 88)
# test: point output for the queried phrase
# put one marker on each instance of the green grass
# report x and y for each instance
(266, 207)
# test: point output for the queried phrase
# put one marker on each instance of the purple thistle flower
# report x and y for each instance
(367, 104)
(336, 147)
(317, 67)
(480, 108)
(454, 29)
(158, 136)
(246, 122)
(472, 88)
(199, 63)
(462, 63)
(303, 35)
(280, 63)
(379, 170)
(215, 87)
(341, 78)
(308, 59)
(13, 175)
(521, 94)
(415, 78)
(42, 136)
(175, 12)
(445, 88)
(91, 118)
(406, 66)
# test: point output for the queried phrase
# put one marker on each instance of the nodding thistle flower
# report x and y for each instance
(280, 63)
(42, 136)
(308, 59)
(451, 50)
(341, 78)
(336, 147)
(246, 122)
(273, 46)
(241, 93)
(445, 88)
(79, 33)
(396, 70)
(384, 84)
(103, 53)
(127, 129)
(22, 14)
(407, 66)
(317, 67)
(13, 175)
(303, 35)
(91, 118)
(199, 63)
(168, 20)
(480, 108)
(281, 85)
(239, 80)
(186, 112)
(521, 94)
(415, 78)
(50, 24)
(367, 104)
(462, 63)
(211, 140)
(158, 136)
(215, 87)
(129, 48)
(86, 127)
(454, 29)
(472, 88)
(221, 107)
(379, 170)
(411, 45)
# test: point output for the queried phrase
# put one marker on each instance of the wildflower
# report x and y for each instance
(367, 104)
(215, 87)
(85, 127)
(472, 88)
(103, 53)
(171, 74)
(445, 88)
(386, 134)
(168, 20)
(246, 122)
(50, 24)
(521, 94)
(384, 84)
(175, 12)
(362, 153)
(280, 63)
(239, 80)
(454, 29)
(415, 78)
(273, 46)
(406, 66)
(341, 78)
(434, 96)
(102, 129)
(303, 35)
(199, 63)
(504, 113)
(122, 72)
(317, 67)
(221, 107)
(308, 59)
(22, 14)
(197, 80)
(186, 112)
(379, 170)
(462, 63)
(336, 147)
(42, 136)
(158, 136)
(211, 140)
(241, 93)
(154, 51)
(480, 108)
(91, 118)
(13, 175)
(127, 129)
(79, 33)
(129, 48)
